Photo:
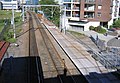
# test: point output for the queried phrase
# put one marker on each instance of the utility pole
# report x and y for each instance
(23, 13)
(13, 24)
(60, 19)
(64, 19)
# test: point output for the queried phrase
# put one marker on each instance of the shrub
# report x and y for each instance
(91, 27)
(102, 31)
(98, 29)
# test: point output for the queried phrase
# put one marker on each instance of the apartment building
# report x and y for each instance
(85, 13)
(32, 2)
(22, 2)
(1, 6)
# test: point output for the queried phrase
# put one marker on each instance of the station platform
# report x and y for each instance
(93, 71)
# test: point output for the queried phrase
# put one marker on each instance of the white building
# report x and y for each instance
(10, 4)
(59, 1)
(23, 1)
(81, 14)
(115, 11)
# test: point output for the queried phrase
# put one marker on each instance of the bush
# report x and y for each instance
(102, 31)
(98, 29)
(12, 40)
(91, 28)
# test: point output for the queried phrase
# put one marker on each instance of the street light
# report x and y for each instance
(12, 22)
(23, 13)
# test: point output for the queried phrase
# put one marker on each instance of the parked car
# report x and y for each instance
(112, 29)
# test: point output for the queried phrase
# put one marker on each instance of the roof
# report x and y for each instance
(3, 48)
(115, 42)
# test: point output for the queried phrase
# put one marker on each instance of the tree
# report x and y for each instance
(116, 24)
(50, 2)
(51, 13)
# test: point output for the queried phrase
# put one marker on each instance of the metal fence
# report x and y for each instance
(108, 56)
(4, 29)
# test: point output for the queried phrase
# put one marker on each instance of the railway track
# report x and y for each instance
(53, 66)
(55, 61)
(54, 57)
(34, 63)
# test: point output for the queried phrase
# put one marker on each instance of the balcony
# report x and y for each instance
(75, 14)
(68, 8)
(67, 0)
(68, 14)
(89, 15)
(89, 1)
(76, 8)
(76, 0)
(89, 7)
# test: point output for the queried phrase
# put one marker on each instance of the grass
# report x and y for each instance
(12, 40)
(75, 33)
(1, 26)
(7, 14)
(8, 35)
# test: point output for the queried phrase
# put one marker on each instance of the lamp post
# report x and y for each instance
(23, 13)
(12, 22)
(64, 19)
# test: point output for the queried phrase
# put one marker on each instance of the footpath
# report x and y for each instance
(93, 71)
(95, 35)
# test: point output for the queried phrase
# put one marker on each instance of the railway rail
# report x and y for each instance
(56, 61)
(33, 52)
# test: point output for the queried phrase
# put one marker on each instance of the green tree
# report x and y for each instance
(50, 2)
(51, 13)
(116, 24)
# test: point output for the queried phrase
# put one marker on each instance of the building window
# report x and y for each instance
(99, 7)
(67, 0)
(76, 0)
(89, 14)
(99, 14)
(89, 1)
(75, 14)
(89, 7)
(68, 6)
(68, 14)
(115, 15)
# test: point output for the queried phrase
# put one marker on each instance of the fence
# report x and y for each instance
(100, 43)
(108, 56)
(4, 29)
